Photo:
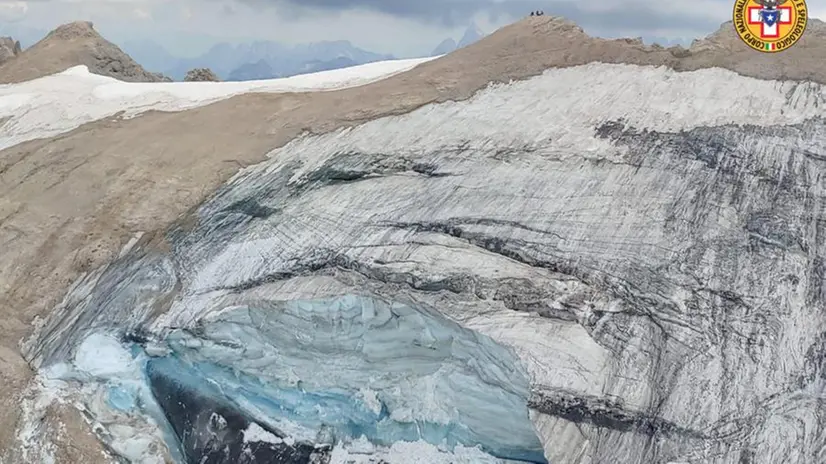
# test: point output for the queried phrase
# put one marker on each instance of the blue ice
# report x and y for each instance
(362, 366)
(122, 397)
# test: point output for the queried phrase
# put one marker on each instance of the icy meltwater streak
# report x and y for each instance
(365, 367)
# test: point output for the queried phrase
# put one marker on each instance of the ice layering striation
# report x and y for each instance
(604, 263)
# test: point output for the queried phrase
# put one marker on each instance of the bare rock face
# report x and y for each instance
(162, 78)
(201, 75)
(71, 45)
(9, 48)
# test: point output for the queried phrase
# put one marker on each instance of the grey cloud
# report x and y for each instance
(618, 15)
(443, 12)
(228, 9)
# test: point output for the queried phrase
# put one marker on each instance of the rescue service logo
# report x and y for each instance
(770, 26)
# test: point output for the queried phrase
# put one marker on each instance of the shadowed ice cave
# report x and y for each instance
(314, 374)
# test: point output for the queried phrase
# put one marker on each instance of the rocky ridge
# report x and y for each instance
(74, 44)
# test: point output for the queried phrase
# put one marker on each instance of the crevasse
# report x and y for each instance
(331, 370)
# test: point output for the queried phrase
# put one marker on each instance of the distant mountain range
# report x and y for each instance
(266, 59)
(472, 34)
(445, 47)
(256, 60)
(251, 71)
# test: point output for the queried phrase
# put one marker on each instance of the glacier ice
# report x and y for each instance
(649, 255)
(351, 366)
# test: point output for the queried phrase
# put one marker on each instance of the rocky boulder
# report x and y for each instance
(201, 75)
(9, 48)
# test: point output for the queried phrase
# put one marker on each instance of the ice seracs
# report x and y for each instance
(429, 381)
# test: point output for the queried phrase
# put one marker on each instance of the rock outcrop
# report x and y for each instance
(201, 75)
(9, 48)
(162, 78)
(646, 240)
(71, 45)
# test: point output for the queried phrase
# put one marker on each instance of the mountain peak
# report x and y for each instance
(74, 30)
(473, 28)
(472, 34)
(445, 47)
(74, 44)
(9, 48)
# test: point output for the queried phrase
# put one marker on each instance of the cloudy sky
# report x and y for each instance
(400, 27)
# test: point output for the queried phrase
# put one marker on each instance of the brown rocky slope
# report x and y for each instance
(74, 44)
(67, 204)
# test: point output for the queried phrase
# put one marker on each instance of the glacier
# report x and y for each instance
(605, 263)
(391, 373)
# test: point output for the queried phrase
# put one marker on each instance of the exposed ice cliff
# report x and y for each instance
(647, 245)
(313, 372)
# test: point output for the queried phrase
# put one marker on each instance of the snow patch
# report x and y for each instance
(61, 102)
(103, 356)
(370, 399)
(35, 443)
(256, 433)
